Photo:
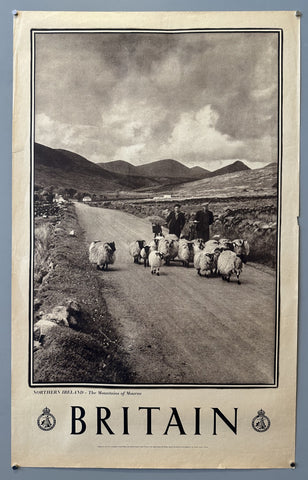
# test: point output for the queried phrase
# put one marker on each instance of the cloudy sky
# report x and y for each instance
(200, 98)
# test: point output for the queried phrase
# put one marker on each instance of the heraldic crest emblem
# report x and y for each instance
(261, 423)
(46, 421)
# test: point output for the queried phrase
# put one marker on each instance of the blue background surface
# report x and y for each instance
(6, 56)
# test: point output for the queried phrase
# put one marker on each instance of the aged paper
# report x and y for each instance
(155, 239)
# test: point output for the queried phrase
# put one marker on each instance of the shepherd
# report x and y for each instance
(204, 218)
(176, 221)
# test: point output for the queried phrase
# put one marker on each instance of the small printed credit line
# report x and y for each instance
(150, 446)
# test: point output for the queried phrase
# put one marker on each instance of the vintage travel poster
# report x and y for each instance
(155, 239)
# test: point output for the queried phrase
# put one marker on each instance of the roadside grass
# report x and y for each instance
(42, 243)
(70, 356)
(90, 352)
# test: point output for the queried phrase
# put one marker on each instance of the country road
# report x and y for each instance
(180, 328)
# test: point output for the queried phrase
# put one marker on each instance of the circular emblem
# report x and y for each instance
(261, 423)
(46, 421)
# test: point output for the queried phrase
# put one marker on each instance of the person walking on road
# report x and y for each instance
(204, 218)
(176, 220)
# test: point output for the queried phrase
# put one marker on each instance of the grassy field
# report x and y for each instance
(87, 351)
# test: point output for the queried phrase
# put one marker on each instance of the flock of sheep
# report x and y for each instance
(216, 256)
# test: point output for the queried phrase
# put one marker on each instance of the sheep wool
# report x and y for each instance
(163, 248)
(229, 263)
(210, 246)
(153, 244)
(173, 248)
(184, 252)
(225, 244)
(206, 264)
(135, 249)
(155, 262)
(198, 245)
(144, 254)
(102, 254)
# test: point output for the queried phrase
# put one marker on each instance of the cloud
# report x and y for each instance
(140, 97)
(196, 139)
(77, 138)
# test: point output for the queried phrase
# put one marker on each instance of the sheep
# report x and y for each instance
(155, 262)
(214, 248)
(210, 245)
(135, 249)
(241, 248)
(204, 263)
(102, 253)
(144, 254)
(163, 248)
(171, 236)
(228, 263)
(153, 244)
(198, 245)
(173, 246)
(185, 251)
(225, 244)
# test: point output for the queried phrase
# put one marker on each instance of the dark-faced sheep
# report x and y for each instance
(155, 261)
(204, 263)
(173, 248)
(135, 249)
(102, 254)
(144, 254)
(241, 248)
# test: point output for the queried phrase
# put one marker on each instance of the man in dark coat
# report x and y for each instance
(176, 221)
(204, 218)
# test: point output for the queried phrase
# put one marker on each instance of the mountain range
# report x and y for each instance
(169, 169)
(66, 169)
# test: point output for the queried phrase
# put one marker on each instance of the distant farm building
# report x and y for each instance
(164, 197)
(59, 199)
(87, 199)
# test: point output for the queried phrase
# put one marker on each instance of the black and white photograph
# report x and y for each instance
(155, 207)
(155, 238)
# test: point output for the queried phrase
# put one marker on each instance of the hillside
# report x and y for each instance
(119, 166)
(66, 169)
(164, 168)
(245, 182)
(199, 172)
(168, 170)
(237, 166)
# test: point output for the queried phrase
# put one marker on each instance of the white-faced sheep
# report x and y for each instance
(102, 254)
(229, 263)
(155, 261)
(135, 249)
(144, 254)
(185, 252)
